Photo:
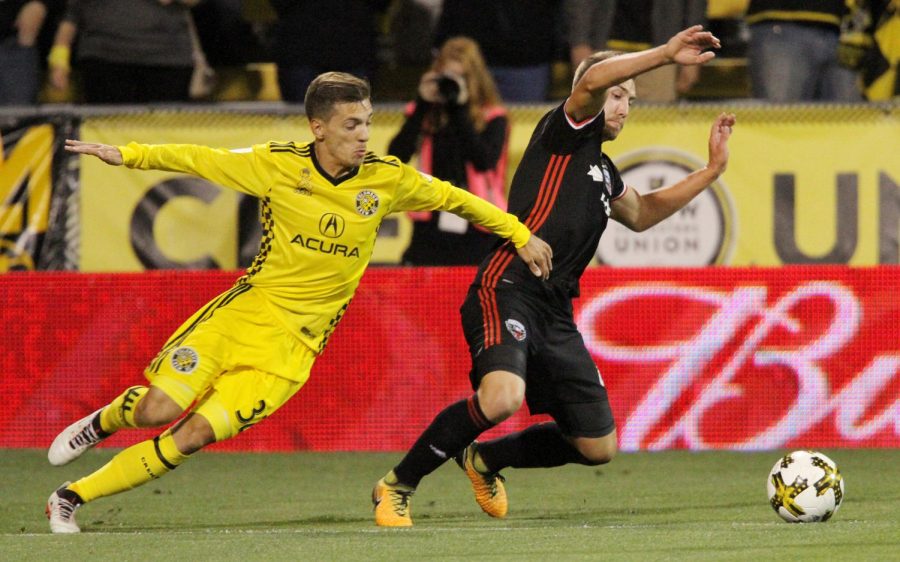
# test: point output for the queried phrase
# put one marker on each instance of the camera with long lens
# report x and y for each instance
(449, 88)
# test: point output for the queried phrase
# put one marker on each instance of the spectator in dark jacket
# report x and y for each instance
(129, 51)
(635, 25)
(20, 24)
(518, 40)
(316, 36)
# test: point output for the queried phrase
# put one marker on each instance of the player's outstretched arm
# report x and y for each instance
(688, 47)
(640, 212)
(108, 153)
(420, 192)
(238, 169)
(538, 255)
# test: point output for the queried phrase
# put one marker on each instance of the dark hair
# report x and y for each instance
(332, 88)
(590, 61)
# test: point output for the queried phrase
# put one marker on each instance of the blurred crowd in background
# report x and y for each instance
(143, 51)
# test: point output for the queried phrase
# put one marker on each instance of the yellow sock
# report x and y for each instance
(120, 412)
(132, 467)
(391, 478)
(478, 463)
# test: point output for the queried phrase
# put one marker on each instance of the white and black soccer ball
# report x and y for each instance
(805, 487)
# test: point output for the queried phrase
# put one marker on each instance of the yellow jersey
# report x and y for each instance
(318, 231)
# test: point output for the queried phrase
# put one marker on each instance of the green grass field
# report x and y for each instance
(315, 506)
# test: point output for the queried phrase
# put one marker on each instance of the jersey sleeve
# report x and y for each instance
(561, 135)
(618, 187)
(247, 170)
(418, 191)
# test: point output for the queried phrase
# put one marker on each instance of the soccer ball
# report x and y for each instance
(805, 487)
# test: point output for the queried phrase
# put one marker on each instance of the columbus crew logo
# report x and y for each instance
(366, 203)
(185, 360)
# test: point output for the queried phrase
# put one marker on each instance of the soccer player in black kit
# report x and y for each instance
(521, 332)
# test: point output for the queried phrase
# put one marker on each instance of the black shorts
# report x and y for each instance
(536, 338)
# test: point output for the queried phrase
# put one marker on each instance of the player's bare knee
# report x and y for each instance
(597, 451)
(505, 407)
(597, 457)
(156, 409)
(192, 434)
(497, 406)
(500, 395)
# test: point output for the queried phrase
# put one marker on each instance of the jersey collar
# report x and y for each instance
(334, 181)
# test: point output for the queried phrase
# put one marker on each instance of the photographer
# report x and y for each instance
(459, 130)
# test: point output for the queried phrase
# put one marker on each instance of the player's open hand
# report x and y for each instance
(689, 46)
(538, 255)
(108, 153)
(718, 142)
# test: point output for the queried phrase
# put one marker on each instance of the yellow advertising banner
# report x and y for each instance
(134, 220)
(805, 184)
(25, 186)
(28, 151)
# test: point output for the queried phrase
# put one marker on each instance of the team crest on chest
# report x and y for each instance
(517, 329)
(185, 360)
(366, 203)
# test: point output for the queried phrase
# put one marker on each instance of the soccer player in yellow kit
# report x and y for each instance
(244, 354)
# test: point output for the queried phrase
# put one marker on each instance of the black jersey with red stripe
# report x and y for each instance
(561, 191)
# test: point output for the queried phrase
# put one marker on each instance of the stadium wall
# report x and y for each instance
(694, 358)
(807, 184)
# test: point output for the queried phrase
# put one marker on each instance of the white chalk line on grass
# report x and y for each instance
(306, 531)
(423, 528)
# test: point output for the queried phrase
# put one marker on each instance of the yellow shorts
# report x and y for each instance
(233, 360)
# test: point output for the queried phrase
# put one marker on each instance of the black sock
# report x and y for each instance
(450, 432)
(70, 496)
(95, 423)
(541, 445)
